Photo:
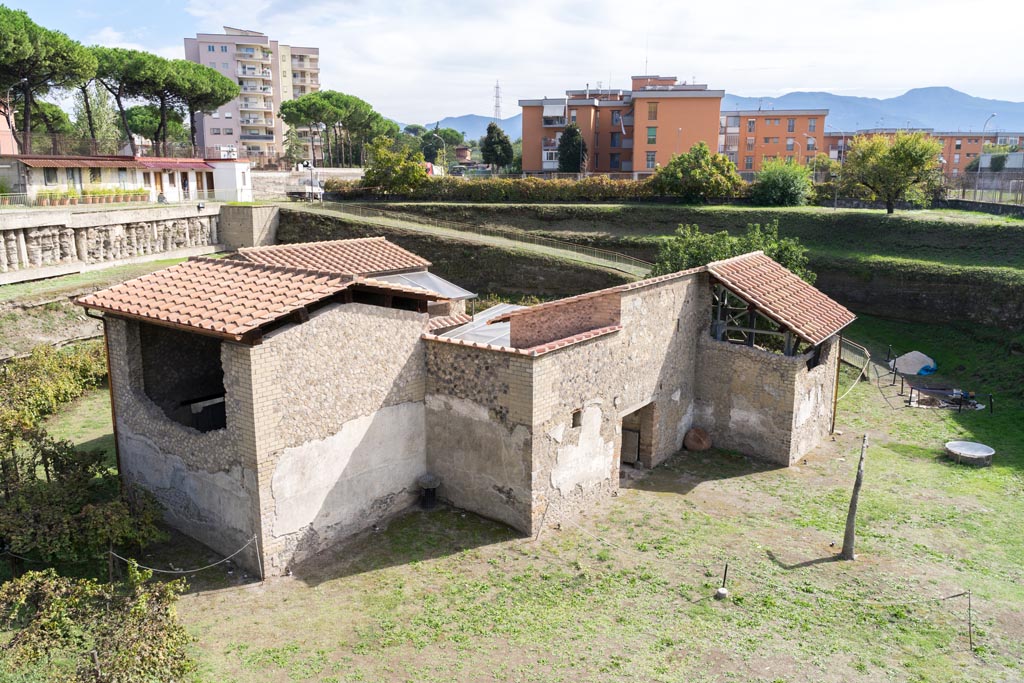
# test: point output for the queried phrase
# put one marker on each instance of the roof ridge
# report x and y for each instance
(258, 265)
(738, 257)
(303, 245)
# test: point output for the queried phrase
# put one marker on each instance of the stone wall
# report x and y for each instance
(650, 361)
(248, 226)
(206, 482)
(478, 419)
(762, 403)
(338, 404)
(533, 328)
(179, 365)
(276, 184)
(34, 240)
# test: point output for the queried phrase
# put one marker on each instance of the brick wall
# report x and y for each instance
(531, 329)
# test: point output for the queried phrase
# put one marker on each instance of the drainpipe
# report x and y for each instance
(110, 389)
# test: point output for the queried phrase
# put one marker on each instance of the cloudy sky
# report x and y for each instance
(417, 61)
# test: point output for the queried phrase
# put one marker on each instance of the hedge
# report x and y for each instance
(594, 189)
(33, 387)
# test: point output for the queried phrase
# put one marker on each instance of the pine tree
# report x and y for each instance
(496, 147)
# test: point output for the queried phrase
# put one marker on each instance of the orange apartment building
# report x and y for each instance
(626, 131)
(749, 138)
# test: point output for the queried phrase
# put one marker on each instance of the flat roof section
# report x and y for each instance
(480, 332)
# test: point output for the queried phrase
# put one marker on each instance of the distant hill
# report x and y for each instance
(474, 126)
(940, 108)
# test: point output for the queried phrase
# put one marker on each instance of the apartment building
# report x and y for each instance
(959, 148)
(750, 138)
(626, 131)
(268, 73)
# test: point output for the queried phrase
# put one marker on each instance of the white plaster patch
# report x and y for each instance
(684, 426)
(337, 479)
(589, 461)
(677, 394)
(460, 406)
(805, 410)
(746, 422)
(556, 433)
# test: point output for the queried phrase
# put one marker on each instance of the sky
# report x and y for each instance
(418, 61)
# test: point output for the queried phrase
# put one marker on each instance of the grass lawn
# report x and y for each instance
(625, 593)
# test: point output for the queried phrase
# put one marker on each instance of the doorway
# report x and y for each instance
(636, 449)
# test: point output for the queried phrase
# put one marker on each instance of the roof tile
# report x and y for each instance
(363, 256)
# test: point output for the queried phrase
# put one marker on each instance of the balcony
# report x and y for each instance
(627, 120)
(262, 89)
(253, 56)
(256, 137)
(254, 106)
(549, 143)
(549, 165)
(255, 73)
(553, 122)
(627, 143)
(256, 122)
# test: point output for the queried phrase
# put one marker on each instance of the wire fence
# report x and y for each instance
(857, 356)
(593, 255)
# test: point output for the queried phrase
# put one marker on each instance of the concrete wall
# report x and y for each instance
(813, 395)
(206, 482)
(478, 419)
(248, 226)
(38, 243)
(340, 425)
(650, 361)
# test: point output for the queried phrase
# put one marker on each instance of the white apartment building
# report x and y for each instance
(268, 73)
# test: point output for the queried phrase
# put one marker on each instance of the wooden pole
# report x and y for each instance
(849, 537)
(835, 388)
(970, 621)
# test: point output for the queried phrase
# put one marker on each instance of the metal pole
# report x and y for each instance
(977, 178)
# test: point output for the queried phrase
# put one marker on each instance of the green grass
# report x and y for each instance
(86, 423)
(67, 285)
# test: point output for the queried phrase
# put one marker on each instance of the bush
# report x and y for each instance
(698, 176)
(782, 184)
(452, 189)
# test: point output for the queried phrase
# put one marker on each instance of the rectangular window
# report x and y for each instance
(614, 161)
(572, 116)
(812, 125)
(171, 179)
(956, 158)
(767, 140)
(228, 115)
(224, 65)
(50, 176)
(213, 65)
(789, 145)
(732, 122)
(215, 115)
(748, 163)
(223, 48)
(812, 144)
(147, 179)
(790, 125)
(652, 111)
(215, 131)
(616, 117)
(750, 125)
(95, 175)
(750, 144)
(122, 176)
(650, 159)
(229, 131)
(775, 141)
(652, 135)
(958, 144)
(211, 48)
(616, 140)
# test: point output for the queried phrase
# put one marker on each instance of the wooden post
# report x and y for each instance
(835, 387)
(851, 517)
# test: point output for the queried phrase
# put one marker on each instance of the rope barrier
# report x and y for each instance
(188, 571)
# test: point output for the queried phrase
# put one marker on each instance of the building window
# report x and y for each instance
(748, 163)
(958, 144)
(812, 125)
(50, 176)
(215, 131)
(812, 144)
(956, 172)
(650, 159)
(577, 418)
(572, 115)
(956, 158)
(224, 65)
(95, 175)
(229, 131)
(616, 117)
(215, 115)
(616, 140)
(732, 122)
(223, 48)
(652, 111)
(789, 158)
(213, 65)
(750, 125)
(228, 115)
(750, 144)
(790, 125)
(789, 146)
(652, 135)
(211, 48)
(147, 179)
(615, 161)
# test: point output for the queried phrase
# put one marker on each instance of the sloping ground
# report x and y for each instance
(922, 265)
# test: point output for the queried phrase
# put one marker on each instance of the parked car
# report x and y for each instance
(306, 189)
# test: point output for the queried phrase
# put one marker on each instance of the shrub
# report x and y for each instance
(697, 176)
(782, 184)
(526, 190)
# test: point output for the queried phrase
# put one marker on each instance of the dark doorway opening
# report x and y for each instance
(636, 449)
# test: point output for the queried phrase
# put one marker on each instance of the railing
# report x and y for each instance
(627, 120)
(627, 143)
(549, 143)
(612, 259)
(18, 200)
(251, 106)
(256, 136)
(253, 73)
(265, 89)
(253, 56)
(256, 122)
(553, 121)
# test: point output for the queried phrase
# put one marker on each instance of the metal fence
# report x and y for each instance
(604, 257)
(1006, 187)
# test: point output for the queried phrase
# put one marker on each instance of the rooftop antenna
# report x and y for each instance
(497, 101)
(647, 46)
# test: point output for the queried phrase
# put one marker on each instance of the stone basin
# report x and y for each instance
(970, 453)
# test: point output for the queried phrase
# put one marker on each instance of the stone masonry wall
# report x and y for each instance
(531, 329)
(206, 482)
(478, 415)
(814, 393)
(745, 398)
(650, 361)
(339, 411)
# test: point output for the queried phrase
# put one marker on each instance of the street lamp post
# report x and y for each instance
(814, 164)
(977, 178)
(444, 148)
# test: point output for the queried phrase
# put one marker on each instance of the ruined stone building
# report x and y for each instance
(296, 392)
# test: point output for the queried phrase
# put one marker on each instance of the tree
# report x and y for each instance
(697, 176)
(294, 147)
(781, 183)
(690, 248)
(393, 168)
(125, 74)
(201, 89)
(96, 119)
(50, 119)
(450, 139)
(496, 147)
(415, 130)
(572, 150)
(35, 60)
(82, 631)
(904, 166)
(144, 120)
(850, 535)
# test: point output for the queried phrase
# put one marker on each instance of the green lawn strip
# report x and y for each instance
(86, 423)
(67, 285)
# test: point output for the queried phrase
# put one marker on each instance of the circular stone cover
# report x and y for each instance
(970, 453)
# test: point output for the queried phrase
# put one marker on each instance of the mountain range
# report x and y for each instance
(940, 108)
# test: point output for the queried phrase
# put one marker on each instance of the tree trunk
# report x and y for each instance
(192, 131)
(850, 537)
(88, 116)
(124, 122)
(26, 129)
(890, 206)
(161, 131)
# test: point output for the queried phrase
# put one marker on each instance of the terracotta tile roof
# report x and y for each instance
(363, 256)
(217, 296)
(782, 296)
(443, 322)
(415, 292)
(45, 161)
